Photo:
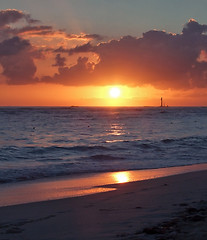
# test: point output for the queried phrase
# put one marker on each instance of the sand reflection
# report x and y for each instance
(121, 177)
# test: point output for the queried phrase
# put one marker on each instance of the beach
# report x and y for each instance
(172, 207)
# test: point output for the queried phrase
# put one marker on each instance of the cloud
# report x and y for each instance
(9, 18)
(60, 61)
(16, 59)
(12, 16)
(21, 44)
(13, 46)
(78, 49)
(158, 58)
(163, 60)
(76, 75)
(19, 69)
(86, 36)
(193, 27)
(94, 36)
(34, 30)
(17, 54)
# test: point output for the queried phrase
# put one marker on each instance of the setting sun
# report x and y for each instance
(114, 92)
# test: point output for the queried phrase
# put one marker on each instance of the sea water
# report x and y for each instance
(41, 142)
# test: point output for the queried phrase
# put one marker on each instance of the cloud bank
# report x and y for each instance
(163, 60)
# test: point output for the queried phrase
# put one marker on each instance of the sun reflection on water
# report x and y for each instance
(116, 129)
(121, 177)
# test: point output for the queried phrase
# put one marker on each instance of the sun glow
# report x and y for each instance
(121, 177)
(114, 92)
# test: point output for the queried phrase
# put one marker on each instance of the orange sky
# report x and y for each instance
(57, 95)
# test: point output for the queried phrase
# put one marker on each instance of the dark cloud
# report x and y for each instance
(29, 30)
(16, 59)
(61, 50)
(193, 27)
(158, 58)
(12, 15)
(35, 30)
(16, 54)
(79, 49)
(19, 69)
(13, 46)
(76, 75)
(59, 61)
(94, 36)
(87, 36)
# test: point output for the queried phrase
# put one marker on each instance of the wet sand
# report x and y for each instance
(173, 207)
(80, 184)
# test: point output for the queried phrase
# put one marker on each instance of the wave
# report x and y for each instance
(73, 148)
(41, 150)
(186, 140)
(19, 175)
(107, 157)
(96, 152)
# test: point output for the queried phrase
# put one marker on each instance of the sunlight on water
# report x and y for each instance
(116, 129)
(121, 177)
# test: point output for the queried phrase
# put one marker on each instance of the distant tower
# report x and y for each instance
(161, 104)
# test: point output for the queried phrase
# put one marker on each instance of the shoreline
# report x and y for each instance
(135, 209)
(82, 185)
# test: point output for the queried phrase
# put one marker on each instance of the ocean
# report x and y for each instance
(43, 142)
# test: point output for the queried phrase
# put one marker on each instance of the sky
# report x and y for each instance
(72, 52)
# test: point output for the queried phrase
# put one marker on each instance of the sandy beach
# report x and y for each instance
(173, 207)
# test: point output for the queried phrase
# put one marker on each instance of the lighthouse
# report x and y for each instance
(161, 104)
